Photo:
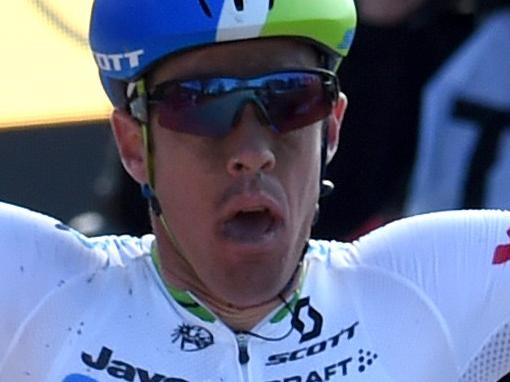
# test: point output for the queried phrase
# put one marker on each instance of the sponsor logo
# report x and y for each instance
(118, 369)
(347, 40)
(324, 374)
(314, 349)
(192, 338)
(79, 378)
(358, 362)
(118, 62)
(342, 368)
(502, 253)
(365, 359)
(312, 314)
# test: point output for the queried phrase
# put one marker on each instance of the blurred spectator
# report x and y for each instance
(120, 205)
(398, 45)
(464, 149)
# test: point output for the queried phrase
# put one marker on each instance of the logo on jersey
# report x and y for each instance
(79, 378)
(343, 368)
(315, 348)
(312, 327)
(365, 359)
(118, 369)
(346, 360)
(502, 253)
(192, 337)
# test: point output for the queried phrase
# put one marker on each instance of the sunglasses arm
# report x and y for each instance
(138, 108)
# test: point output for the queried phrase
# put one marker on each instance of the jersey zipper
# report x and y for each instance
(242, 344)
(244, 357)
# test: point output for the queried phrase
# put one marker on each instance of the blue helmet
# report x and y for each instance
(128, 37)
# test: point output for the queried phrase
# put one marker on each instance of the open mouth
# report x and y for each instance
(251, 225)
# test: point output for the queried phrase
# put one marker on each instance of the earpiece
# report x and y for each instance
(327, 187)
(148, 193)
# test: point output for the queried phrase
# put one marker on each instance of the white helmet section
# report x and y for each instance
(253, 17)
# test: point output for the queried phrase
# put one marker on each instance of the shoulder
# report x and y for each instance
(41, 258)
(25, 233)
(447, 235)
(446, 226)
(332, 254)
(34, 241)
(464, 241)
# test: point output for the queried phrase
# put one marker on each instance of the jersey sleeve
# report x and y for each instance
(460, 260)
(38, 255)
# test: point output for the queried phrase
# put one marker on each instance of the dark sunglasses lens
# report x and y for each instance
(208, 108)
(188, 111)
(303, 102)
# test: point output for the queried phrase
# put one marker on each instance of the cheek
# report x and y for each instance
(184, 154)
(302, 168)
(190, 169)
(182, 176)
(184, 182)
(186, 200)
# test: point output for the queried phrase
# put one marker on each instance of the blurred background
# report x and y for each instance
(53, 113)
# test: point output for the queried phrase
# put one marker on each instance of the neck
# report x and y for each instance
(180, 274)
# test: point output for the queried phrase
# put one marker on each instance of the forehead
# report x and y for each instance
(239, 59)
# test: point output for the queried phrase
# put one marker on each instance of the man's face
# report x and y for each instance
(240, 206)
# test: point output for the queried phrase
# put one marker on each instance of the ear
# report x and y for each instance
(334, 125)
(129, 139)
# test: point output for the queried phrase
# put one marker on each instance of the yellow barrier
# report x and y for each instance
(48, 75)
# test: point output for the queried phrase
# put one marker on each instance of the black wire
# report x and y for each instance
(272, 339)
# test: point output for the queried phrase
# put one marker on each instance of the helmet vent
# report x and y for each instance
(239, 4)
(271, 4)
(205, 8)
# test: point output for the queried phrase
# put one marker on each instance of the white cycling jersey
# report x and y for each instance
(423, 299)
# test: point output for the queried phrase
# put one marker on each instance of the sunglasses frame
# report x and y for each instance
(139, 101)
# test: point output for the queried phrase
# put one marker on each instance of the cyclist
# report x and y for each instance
(226, 112)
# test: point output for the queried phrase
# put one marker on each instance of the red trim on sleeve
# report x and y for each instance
(502, 253)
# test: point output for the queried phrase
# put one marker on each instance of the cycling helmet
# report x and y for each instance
(128, 37)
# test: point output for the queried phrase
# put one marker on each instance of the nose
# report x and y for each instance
(252, 144)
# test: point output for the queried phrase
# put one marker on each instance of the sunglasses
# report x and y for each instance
(211, 107)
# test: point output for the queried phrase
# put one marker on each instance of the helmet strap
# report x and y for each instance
(148, 189)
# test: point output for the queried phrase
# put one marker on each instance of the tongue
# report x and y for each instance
(248, 226)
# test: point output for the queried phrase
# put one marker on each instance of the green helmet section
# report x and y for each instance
(329, 22)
